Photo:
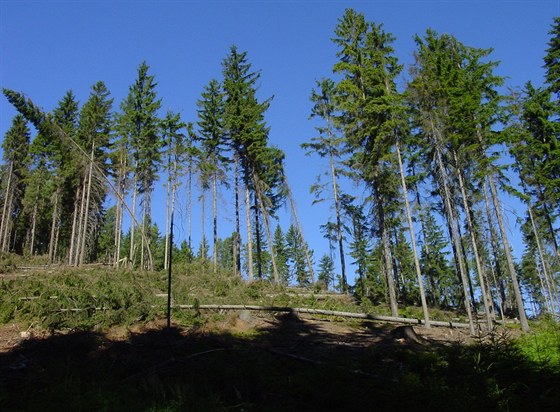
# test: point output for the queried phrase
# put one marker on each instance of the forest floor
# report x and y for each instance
(124, 358)
(249, 361)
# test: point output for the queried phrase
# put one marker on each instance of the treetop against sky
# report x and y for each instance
(50, 47)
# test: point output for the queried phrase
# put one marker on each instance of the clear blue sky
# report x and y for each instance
(48, 47)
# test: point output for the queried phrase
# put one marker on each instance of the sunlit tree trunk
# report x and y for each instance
(215, 221)
(131, 254)
(5, 215)
(509, 258)
(54, 226)
(86, 210)
(33, 229)
(446, 194)
(549, 291)
(413, 238)
(488, 307)
(249, 236)
(237, 240)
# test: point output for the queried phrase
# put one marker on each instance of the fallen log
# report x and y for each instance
(366, 316)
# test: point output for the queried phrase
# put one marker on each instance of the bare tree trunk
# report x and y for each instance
(71, 246)
(54, 223)
(237, 240)
(78, 238)
(249, 236)
(131, 255)
(167, 217)
(488, 307)
(86, 210)
(9, 223)
(497, 273)
(549, 291)
(386, 252)
(118, 234)
(413, 239)
(215, 221)
(338, 225)
(147, 261)
(258, 235)
(516, 289)
(262, 205)
(453, 227)
(202, 226)
(33, 229)
(189, 206)
(5, 218)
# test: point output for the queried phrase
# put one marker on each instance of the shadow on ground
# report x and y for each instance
(286, 363)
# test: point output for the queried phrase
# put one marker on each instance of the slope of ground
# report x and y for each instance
(246, 362)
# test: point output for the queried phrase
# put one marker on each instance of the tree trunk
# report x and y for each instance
(8, 226)
(189, 207)
(258, 236)
(215, 222)
(86, 211)
(77, 240)
(549, 292)
(71, 246)
(338, 226)
(455, 237)
(497, 273)
(148, 264)
(413, 238)
(202, 226)
(131, 254)
(386, 252)
(509, 258)
(488, 307)
(33, 229)
(54, 223)
(5, 218)
(249, 236)
(237, 240)
(167, 217)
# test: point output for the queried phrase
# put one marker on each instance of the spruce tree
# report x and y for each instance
(329, 145)
(15, 151)
(364, 97)
(139, 119)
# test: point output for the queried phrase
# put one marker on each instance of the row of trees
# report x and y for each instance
(56, 185)
(435, 160)
(434, 157)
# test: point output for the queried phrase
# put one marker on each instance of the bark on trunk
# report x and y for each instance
(509, 258)
(488, 307)
(413, 239)
(249, 236)
(454, 235)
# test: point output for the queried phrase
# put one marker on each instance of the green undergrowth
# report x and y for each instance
(288, 366)
(99, 297)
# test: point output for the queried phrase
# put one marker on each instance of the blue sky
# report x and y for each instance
(48, 47)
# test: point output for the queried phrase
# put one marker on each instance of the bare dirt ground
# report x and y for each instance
(301, 328)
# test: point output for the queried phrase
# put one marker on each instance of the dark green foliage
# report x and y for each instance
(326, 273)
(282, 256)
(296, 257)
(552, 58)
(140, 121)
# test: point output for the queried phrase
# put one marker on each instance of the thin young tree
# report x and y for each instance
(139, 113)
(15, 151)
(328, 144)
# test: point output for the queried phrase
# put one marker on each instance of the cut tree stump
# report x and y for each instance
(408, 334)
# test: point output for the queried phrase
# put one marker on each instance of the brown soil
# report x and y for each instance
(301, 328)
